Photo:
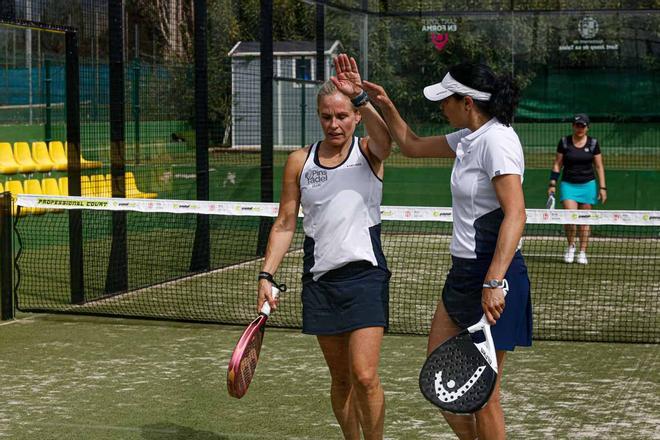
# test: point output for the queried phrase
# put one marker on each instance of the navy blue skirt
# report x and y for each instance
(461, 297)
(354, 296)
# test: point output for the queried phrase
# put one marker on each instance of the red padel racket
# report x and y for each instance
(244, 359)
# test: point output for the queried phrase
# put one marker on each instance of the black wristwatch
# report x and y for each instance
(493, 284)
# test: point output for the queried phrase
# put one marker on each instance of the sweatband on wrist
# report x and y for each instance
(360, 99)
(554, 175)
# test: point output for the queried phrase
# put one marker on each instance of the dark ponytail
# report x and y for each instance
(504, 100)
(504, 91)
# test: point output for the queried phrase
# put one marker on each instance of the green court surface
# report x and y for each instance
(97, 378)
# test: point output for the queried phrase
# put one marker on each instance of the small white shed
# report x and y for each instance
(294, 103)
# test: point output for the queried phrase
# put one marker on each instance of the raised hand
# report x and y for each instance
(377, 94)
(348, 79)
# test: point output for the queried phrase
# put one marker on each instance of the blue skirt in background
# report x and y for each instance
(579, 192)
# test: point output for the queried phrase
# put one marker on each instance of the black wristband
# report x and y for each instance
(360, 99)
(265, 276)
(552, 185)
(603, 187)
(554, 175)
(269, 277)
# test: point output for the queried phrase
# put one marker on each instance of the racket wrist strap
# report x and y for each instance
(265, 276)
(269, 277)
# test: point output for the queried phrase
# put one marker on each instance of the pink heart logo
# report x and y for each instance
(439, 40)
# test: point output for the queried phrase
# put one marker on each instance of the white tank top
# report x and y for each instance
(341, 207)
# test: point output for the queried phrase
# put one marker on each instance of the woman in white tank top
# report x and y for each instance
(338, 182)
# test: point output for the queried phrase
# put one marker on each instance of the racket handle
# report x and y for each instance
(265, 309)
(483, 322)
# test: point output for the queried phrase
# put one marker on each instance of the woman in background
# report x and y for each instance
(578, 154)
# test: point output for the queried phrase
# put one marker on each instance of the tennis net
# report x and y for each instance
(198, 261)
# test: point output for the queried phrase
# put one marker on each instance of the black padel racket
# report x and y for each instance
(460, 374)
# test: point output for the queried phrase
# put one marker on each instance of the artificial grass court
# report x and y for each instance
(68, 377)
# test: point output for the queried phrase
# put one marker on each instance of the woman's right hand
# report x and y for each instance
(348, 80)
(551, 191)
(376, 93)
(265, 293)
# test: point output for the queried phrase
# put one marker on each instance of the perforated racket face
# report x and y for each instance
(456, 377)
(244, 359)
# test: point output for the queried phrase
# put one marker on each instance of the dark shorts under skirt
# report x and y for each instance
(461, 297)
(354, 296)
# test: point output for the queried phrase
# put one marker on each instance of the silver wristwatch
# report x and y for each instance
(493, 284)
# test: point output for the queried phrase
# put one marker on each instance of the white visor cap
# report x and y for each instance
(448, 86)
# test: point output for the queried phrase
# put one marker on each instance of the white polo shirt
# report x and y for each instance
(493, 150)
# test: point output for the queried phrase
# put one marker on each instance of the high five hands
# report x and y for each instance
(348, 79)
(349, 82)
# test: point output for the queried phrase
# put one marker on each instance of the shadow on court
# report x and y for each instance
(170, 431)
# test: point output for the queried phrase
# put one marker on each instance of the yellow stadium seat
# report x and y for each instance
(132, 191)
(84, 163)
(15, 187)
(33, 186)
(8, 164)
(85, 186)
(89, 164)
(63, 186)
(101, 186)
(41, 156)
(24, 158)
(58, 156)
(1, 190)
(50, 187)
(86, 189)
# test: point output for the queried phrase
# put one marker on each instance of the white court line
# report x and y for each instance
(13, 321)
(613, 256)
(121, 296)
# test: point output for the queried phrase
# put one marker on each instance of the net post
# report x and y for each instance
(48, 82)
(117, 274)
(320, 42)
(266, 66)
(201, 256)
(6, 259)
(73, 167)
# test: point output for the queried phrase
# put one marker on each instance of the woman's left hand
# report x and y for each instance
(602, 195)
(492, 301)
(348, 80)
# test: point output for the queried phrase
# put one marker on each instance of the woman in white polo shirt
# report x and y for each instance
(489, 217)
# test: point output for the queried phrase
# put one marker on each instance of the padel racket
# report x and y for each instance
(460, 374)
(244, 359)
(550, 204)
